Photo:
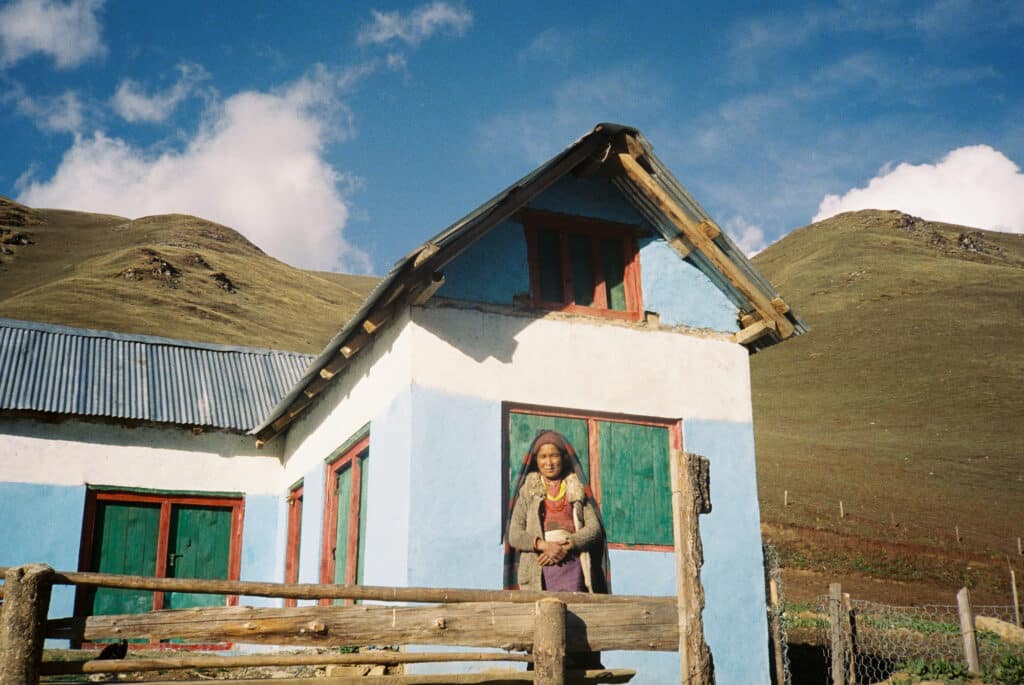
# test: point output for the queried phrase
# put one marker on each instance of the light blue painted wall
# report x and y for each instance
(734, 616)
(495, 269)
(312, 524)
(259, 557)
(680, 292)
(593, 197)
(491, 270)
(43, 523)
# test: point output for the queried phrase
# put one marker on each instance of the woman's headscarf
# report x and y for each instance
(570, 462)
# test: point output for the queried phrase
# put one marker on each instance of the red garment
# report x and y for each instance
(557, 515)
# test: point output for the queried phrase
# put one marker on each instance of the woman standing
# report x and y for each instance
(555, 532)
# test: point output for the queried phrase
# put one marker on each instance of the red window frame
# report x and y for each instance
(294, 544)
(348, 458)
(675, 433)
(564, 225)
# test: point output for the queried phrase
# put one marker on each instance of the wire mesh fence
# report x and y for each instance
(878, 640)
(779, 643)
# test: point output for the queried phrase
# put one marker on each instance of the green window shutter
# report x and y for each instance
(364, 483)
(582, 269)
(199, 542)
(124, 542)
(614, 273)
(523, 429)
(549, 263)
(344, 500)
(636, 498)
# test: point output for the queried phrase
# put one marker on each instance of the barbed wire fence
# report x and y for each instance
(779, 640)
(879, 640)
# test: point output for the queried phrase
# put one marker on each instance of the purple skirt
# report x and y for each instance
(564, 577)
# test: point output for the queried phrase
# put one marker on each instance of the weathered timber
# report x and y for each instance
(648, 625)
(775, 629)
(250, 661)
(354, 344)
(963, 601)
(549, 642)
(376, 319)
(317, 385)
(667, 206)
(780, 305)
(695, 664)
(334, 367)
(491, 677)
(425, 253)
(851, 639)
(682, 245)
(837, 642)
(426, 291)
(754, 331)
(710, 228)
(328, 591)
(23, 622)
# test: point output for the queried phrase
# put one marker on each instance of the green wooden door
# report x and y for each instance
(198, 544)
(636, 497)
(124, 542)
(522, 429)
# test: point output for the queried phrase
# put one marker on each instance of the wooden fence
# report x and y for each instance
(535, 627)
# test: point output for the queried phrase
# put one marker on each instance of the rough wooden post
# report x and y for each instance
(549, 642)
(963, 600)
(690, 498)
(23, 623)
(835, 620)
(851, 639)
(774, 617)
(1016, 598)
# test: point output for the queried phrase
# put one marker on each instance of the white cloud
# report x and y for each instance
(256, 165)
(973, 186)
(747, 236)
(549, 46)
(67, 32)
(416, 26)
(133, 104)
(59, 113)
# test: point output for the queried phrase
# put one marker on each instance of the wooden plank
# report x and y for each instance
(318, 591)
(647, 625)
(754, 331)
(490, 677)
(780, 306)
(682, 245)
(701, 241)
(177, 663)
(710, 228)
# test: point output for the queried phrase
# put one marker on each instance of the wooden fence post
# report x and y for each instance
(963, 600)
(851, 639)
(1016, 598)
(549, 642)
(690, 498)
(23, 624)
(835, 620)
(774, 619)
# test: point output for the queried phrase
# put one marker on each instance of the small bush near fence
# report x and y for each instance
(924, 642)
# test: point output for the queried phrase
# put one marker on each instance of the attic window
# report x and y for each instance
(584, 266)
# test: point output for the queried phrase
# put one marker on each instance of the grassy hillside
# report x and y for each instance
(172, 275)
(906, 400)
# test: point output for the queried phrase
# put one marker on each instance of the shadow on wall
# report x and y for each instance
(477, 334)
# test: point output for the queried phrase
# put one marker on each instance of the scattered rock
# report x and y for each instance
(18, 239)
(197, 260)
(938, 240)
(974, 241)
(223, 282)
(155, 267)
(906, 222)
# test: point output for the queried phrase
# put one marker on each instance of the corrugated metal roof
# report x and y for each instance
(65, 370)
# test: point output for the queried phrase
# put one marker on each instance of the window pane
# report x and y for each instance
(614, 274)
(582, 269)
(636, 498)
(549, 258)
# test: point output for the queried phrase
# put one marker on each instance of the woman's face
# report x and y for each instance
(549, 462)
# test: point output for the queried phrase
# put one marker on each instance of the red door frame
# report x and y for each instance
(349, 458)
(291, 559)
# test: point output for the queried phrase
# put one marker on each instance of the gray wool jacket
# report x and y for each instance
(525, 527)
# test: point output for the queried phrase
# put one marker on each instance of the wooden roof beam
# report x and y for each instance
(754, 331)
(699, 237)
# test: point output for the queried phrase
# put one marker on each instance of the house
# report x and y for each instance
(594, 296)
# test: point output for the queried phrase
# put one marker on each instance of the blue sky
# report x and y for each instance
(340, 135)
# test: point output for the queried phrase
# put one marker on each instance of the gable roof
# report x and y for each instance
(78, 371)
(613, 150)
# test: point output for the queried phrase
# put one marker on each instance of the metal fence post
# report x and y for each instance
(23, 623)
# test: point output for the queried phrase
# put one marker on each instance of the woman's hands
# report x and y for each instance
(551, 553)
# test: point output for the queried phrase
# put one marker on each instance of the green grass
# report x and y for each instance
(905, 398)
